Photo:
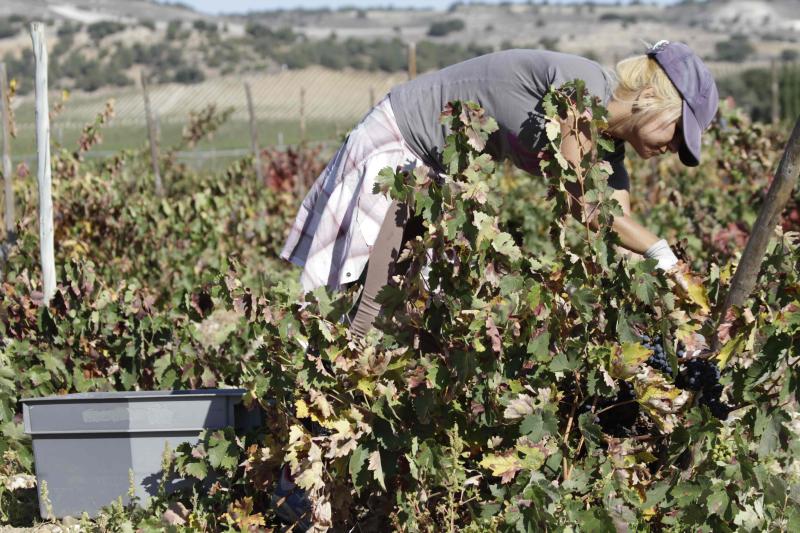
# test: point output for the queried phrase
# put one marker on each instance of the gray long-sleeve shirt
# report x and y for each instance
(510, 86)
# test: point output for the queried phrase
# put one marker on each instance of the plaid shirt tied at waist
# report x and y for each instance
(338, 222)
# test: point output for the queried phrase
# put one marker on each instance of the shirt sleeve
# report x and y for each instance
(619, 178)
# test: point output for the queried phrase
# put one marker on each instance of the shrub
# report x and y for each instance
(122, 58)
(736, 49)
(549, 43)
(789, 54)
(22, 69)
(68, 29)
(389, 56)
(188, 75)
(432, 55)
(90, 76)
(173, 29)
(103, 28)
(439, 29)
(116, 77)
(283, 35)
(255, 29)
(204, 26)
(331, 54)
(591, 54)
(618, 17)
(7, 29)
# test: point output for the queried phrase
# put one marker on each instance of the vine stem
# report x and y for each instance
(642, 438)
(579, 176)
(626, 402)
(565, 463)
(580, 442)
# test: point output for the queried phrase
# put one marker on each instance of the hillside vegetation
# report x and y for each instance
(103, 44)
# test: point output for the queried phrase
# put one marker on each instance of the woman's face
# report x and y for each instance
(657, 136)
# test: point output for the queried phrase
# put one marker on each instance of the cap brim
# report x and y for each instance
(689, 150)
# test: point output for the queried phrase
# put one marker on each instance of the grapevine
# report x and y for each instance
(524, 375)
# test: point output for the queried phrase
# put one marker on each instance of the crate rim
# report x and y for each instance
(135, 395)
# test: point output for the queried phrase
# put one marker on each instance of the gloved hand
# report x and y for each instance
(661, 252)
(684, 284)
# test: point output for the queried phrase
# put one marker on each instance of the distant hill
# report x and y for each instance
(106, 43)
(88, 11)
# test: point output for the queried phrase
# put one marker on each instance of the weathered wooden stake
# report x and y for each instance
(371, 97)
(43, 163)
(152, 136)
(9, 215)
(412, 60)
(778, 194)
(254, 135)
(300, 180)
(302, 114)
(776, 112)
(157, 122)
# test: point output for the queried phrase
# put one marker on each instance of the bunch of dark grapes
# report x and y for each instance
(703, 375)
(658, 361)
(620, 421)
(698, 374)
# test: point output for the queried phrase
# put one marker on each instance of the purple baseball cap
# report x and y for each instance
(697, 88)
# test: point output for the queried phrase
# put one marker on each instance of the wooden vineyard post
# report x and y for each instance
(152, 136)
(778, 194)
(299, 182)
(43, 170)
(8, 215)
(157, 128)
(792, 91)
(371, 97)
(412, 60)
(302, 115)
(776, 113)
(254, 135)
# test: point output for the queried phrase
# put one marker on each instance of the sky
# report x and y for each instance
(243, 6)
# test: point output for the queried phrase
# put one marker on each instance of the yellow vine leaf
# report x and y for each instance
(366, 386)
(502, 466)
(697, 295)
(302, 408)
(627, 358)
(731, 347)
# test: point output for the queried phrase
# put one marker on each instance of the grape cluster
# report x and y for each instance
(620, 421)
(657, 361)
(699, 374)
(703, 375)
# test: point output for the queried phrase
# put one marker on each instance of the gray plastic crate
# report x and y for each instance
(85, 444)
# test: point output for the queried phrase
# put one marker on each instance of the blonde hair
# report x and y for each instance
(635, 74)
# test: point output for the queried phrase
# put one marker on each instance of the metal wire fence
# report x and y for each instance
(314, 104)
(317, 105)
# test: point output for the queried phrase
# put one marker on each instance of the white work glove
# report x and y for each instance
(661, 252)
